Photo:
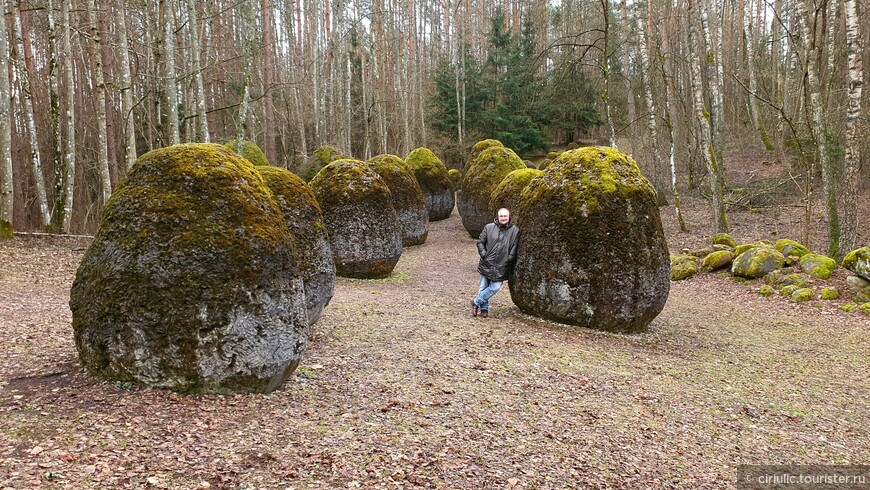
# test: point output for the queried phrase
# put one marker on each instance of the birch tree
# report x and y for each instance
(100, 90)
(6, 187)
(714, 171)
(199, 92)
(27, 101)
(815, 112)
(849, 229)
(652, 127)
(167, 19)
(126, 88)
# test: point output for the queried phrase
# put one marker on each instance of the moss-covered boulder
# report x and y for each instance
(818, 265)
(766, 290)
(859, 287)
(250, 151)
(865, 307)
(724, 239)
(455, 177)
(408, 200)
(592, 250)
(858, 261)
(572, 146)
(192, 281)
(683, 267)
(357, 207)
(305, 223)
(320, 158)
(507, 193)
(552, 155)
(481, 178)
(849, 307)
(803, 294)
(719, 259)
(790, 248)
(478, 148)
(436, 185)
(757, 262)
(739, 249)
(829, 293)
(788, 290)
(799, 280)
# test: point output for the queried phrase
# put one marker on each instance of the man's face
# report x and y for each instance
(504, 216)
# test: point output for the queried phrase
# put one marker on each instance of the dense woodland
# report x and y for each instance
(92, 84)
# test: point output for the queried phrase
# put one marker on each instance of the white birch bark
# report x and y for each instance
(202, 119)
(749, 43)
(849, 229)
(717, 183)
(605, 68)
(6, 188)
(712, 41)
(170, 78)
(69, 159)
(27, 100)
(629, 90)
(126, 88)
(100, 91)
(652, 127)
(54, 113)
(816, 113)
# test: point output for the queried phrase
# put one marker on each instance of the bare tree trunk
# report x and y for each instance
(54, 110)
(197, 72)
(669, 97)
(626, 62)
(816, 114)
(712, 40)
(6, 187)
(100, 90)
(268, 106)
(717, 182)
(167, 17)
(849, 229)
(246, 26)
(126, 88)
(605, 68)
(27, 99)
(650, 104)
(749, 43)
(69, 160)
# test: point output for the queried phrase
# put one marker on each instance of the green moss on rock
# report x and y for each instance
(478, 148)
(192, 281)
(408, 200)
(803, 294)
(304, 220)
(829, 293)
(766, 290)
(683, 267)
(479, 181)
(724, 239)
(507, 193)
(250, 152)
(757, 262)
(788, 290)
(739, 249)
(552, 155)
(572, 146)
(431, 174)
(865, 308)
(320, 158)
(717, 260)
(858, 261)
(592, 250)
(357, 207)
(790, 248)
(817, 265)
(455, 177)
(848, 307)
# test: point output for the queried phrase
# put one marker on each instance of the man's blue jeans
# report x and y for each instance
(485, 291)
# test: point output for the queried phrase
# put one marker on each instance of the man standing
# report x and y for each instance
(497, 247)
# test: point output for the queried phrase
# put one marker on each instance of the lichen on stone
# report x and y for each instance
(858, 261)
(757, 262)
(790, 248)
(683, 267)
(818, 265)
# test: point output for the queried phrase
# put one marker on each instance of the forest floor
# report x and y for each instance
(400, 388)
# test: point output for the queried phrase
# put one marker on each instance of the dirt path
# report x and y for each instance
(401, 388)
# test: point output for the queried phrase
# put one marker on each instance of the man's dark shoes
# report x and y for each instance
(484, 313)
(474, 308)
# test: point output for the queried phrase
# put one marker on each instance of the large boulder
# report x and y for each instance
(305, 223)
(481, 177)
(507, 193)
(818, 265)
(478, 148)
(791, 250)
(592, 249)
(683, 267)
(858, 261)
(719, 259)
(358, 211)
(437, 187)
(408, 200)
(191, 282)
(320, 157)
(250, 152)
(757, 262)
